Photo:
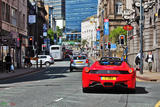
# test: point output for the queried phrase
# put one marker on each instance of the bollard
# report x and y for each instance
(40, 63)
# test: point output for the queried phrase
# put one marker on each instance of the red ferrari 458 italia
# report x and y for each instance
(109, 72)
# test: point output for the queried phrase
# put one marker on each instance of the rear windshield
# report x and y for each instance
(55, 48)
(110, 61)
(79, 57)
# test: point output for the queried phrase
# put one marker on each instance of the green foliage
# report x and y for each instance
(84, 42)
(115, 33)
(50, 34)
(59, 31)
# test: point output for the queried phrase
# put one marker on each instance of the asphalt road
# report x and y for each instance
(57, 87)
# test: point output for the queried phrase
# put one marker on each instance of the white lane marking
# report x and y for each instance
(58, 99)
(7, 88)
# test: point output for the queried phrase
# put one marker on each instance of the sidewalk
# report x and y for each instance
(18, 72)
(146, 76)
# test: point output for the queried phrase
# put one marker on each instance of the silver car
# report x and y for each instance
(78, 62)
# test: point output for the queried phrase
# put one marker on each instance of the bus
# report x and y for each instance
(56, 51)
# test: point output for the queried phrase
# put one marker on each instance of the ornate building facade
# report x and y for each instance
(151, 33)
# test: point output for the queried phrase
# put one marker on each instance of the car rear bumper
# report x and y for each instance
(78, 66)
(92, 80)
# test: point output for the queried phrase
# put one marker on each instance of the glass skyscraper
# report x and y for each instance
(57, 9)
(76, 11)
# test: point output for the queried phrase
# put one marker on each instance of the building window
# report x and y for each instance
(3, 11)
(7, 13)
(13, 16)
(118, 8)
(150, 21)
(24, 21)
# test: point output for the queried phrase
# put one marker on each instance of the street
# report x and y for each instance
(57, 87)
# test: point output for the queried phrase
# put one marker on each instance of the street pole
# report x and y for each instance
(141, 37)
(102, 15)
(36, 34)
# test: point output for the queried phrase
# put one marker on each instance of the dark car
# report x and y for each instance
(68, 53)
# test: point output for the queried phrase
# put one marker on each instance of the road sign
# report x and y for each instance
(128, 27)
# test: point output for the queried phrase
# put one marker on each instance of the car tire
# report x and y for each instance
(132, 90)
(47, 64)
(85, 90)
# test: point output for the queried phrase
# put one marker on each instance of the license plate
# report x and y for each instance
(108, 78)
(79, 62)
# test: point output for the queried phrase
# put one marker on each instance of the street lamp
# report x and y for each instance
(102, 21)
(36, 30)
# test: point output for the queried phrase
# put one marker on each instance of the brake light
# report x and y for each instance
(87, 61)
(130, 71)
(52, 59)
(86, 70)
(72, 61)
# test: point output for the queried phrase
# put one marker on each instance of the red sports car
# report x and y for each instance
(109, 72)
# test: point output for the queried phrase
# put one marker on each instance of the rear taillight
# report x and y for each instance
(52, 59)
(72, 61)
(87, 61)
(130, 71)
(86, 70)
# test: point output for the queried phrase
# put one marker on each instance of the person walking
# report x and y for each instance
(137, 61)
(150, 59)
(8, 62)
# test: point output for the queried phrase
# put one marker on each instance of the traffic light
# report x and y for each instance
(18, 42)
(109, 45)
(44, 46)
(121, 39)
(30, 40)
(101, 46)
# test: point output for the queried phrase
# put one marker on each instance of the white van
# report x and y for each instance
(56, 52)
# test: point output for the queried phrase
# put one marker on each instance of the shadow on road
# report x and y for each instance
(49, 73)
(120, 90)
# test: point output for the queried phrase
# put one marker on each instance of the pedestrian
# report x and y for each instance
(137, 61)
(8, 61)
(27, 62)
(150, 59)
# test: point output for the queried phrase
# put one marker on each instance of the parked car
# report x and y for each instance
(109, 72)
(46, 60)
(78, 62)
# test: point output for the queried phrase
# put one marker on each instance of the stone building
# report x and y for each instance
(151, 32)
(112, 10)
(14, 29)
(88, 30)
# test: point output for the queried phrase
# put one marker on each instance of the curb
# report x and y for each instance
(18, 75)
(146, 79)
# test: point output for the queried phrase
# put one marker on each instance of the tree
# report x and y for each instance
(84, 42)
(59, 31)
(50, 35)
(115, 33)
